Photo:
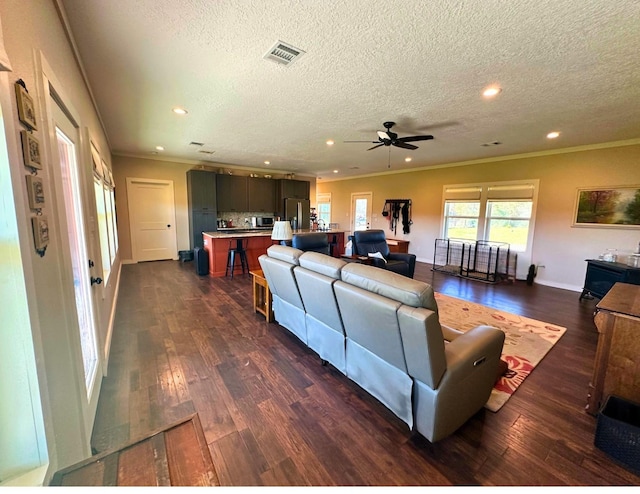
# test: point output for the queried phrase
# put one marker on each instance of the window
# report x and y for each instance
(461, 219)
(324, 208)
(103, 232)
(105, 210)
(500, 212)
(508, 221)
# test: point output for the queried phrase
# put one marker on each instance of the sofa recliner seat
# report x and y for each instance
(433, 378)
(367, 242)
(311, 242)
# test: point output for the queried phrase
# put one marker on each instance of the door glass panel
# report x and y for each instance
(360, 217)
(79, 257)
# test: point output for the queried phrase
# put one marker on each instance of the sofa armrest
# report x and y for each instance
(450, 334)
(410, 259)
(402, 256)
(472, 353)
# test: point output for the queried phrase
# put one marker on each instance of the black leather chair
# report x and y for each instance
(314, 241)
(370, 241)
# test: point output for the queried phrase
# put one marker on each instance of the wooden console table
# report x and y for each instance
(617, 364)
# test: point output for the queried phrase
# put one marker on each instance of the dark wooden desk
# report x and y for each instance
(617, 364)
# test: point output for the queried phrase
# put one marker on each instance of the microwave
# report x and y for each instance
(265, 221)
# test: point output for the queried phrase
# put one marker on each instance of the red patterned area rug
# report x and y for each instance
(526, 343)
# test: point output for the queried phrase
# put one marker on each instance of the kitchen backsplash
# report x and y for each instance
(241, 219)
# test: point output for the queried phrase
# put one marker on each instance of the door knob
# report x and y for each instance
(96, 281)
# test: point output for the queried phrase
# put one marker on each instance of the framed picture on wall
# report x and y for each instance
(26, 108)
(31, 150)
(35, 192)
(608, 207)
(40, 232)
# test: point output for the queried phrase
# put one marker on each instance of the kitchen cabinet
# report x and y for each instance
(261, 195)
(293, 189)
(232, 193)
(602, 275)
(217, 246)
(201, 199)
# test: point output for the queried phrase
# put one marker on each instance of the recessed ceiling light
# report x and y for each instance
(159, 148)
(335, 171)
(267, 162)
(407, 159)
(491, 91)
(180, 111)
(553, 135)
(330, 142)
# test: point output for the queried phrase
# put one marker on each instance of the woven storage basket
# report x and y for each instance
(618, 432)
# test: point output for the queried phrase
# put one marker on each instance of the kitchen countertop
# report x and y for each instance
(256, 232)
(232, 229)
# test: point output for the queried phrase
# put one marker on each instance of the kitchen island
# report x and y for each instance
(258, 241)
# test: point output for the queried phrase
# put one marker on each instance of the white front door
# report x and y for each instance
(67, 140)
(361, 211)
(153, 217)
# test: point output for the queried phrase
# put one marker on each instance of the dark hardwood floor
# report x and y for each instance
(273, 415)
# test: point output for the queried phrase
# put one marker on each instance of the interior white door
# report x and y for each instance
(361, 211)
(152, 215)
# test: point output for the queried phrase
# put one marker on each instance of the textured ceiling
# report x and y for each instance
(572, 66)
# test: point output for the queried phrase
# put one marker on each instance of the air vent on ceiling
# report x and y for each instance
(194, 143)
(283, 53)
(204, 151)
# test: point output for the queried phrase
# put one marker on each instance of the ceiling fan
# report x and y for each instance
(388, 138)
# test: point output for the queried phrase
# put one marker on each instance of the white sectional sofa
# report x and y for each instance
(381, 330)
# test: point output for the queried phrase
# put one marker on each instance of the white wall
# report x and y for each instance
(32, 32)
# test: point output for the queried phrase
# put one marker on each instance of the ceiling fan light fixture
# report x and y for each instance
(267, 163)
(179, 111)
(553, 135)
(330, 142)
(408, 159)
(160, 148)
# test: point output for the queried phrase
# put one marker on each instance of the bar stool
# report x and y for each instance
(237, 246)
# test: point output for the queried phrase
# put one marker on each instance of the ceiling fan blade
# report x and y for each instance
(375, 146)
(414, 138)
(404, 145)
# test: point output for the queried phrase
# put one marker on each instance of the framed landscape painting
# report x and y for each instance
(612, 207)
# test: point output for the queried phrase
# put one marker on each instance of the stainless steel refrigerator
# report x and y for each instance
(298, 212)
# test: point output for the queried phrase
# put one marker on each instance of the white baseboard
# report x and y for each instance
(562, 286)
